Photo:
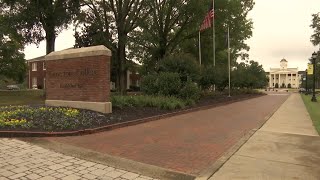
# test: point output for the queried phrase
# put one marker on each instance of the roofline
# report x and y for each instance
(40, 58)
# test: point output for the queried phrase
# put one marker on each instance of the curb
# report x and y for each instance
(118, 125)
(209, 172)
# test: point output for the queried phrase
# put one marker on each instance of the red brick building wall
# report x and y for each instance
(39, 74)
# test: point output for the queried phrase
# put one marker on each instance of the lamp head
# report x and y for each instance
(314, 55)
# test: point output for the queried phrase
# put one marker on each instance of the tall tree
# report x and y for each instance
(173, 25)
(167, 26)
(315, 38)
(12, 62)
(109, 23)
(232, 13)
(37, 20)
(315, 25)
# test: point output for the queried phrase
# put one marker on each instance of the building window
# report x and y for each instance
(34, 66)
(44, 65)
(34, 82)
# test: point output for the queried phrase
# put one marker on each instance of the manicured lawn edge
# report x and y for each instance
(118, 125)
(313, 109)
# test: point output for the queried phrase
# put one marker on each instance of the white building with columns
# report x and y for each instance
(285, 77)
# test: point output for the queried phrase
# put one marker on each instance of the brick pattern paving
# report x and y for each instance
(21, 160)
(186, 143)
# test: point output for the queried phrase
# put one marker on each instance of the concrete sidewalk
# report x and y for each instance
(286, 147)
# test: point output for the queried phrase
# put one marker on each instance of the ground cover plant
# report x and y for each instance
(47, 118)
(161, 102)
(313, 109)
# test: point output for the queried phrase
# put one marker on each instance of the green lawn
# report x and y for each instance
(313, 109)
(23, 97)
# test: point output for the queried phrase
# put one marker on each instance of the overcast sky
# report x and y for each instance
(281, 30)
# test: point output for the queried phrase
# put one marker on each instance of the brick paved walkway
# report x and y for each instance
(186, 143)
(20, 160)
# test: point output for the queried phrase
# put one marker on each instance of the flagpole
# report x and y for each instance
(229, 61)
(214, 35)
(200, 47)
(214, 40)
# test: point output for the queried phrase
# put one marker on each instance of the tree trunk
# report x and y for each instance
(50, 40)
(122, 62)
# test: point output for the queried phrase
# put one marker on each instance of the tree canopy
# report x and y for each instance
(315, 38)
(37, 20)
(148, 31)
(12, 62)
(109, 23)
(169, 24)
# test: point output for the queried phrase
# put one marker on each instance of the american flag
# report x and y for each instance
(207, 22)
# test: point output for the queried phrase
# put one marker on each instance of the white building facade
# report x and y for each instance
(284, 77)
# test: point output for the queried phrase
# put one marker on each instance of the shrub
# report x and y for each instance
(207, 78)
(289, 85)
(190, 91)
(214, 76)
(249, 75)
(149, 84)
(160, 102)
(245, 91)
(120, 101)
(276, 85)
(184, 64)
(169, 84)
(134, 88)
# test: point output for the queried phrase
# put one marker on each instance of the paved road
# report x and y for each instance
(20, 160)
(186, 143)
(286, 147)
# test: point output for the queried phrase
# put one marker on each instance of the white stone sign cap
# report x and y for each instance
(79, 52)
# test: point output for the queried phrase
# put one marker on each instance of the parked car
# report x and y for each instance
(13, 87)
(302, 90)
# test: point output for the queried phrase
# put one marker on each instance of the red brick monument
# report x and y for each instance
(79, 78)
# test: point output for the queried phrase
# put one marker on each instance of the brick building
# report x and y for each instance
(36, 73)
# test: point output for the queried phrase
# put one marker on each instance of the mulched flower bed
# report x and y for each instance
(60, 119)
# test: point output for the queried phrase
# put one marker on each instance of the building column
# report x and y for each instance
(297, 81)
(287, 80)
(279, 80)
(29, 74)
(272, 77)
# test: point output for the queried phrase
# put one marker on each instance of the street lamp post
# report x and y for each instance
(306, 81)
(314, 57)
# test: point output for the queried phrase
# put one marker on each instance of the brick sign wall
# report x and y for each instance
(79, 78)
(83, 79)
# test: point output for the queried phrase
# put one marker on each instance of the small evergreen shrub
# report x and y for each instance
(169, 84)
(190, 91)
(149, 84)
